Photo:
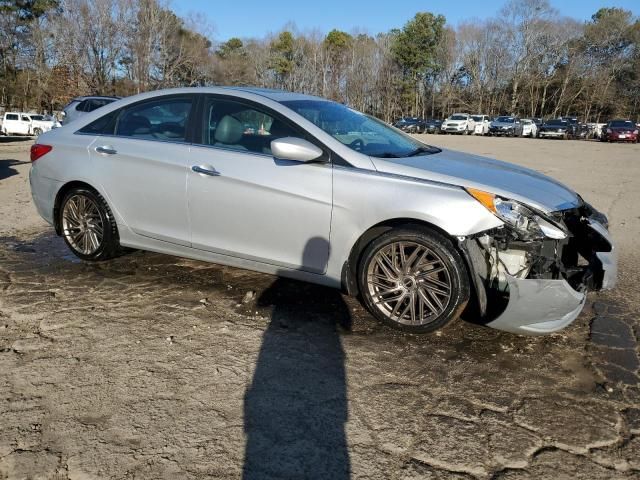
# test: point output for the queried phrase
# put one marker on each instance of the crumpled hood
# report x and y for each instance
(502, 178)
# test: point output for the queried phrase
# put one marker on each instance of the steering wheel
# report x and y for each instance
(357, 144)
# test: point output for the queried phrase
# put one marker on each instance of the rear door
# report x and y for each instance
(143, 166)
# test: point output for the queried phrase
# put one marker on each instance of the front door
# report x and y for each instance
(245, 203)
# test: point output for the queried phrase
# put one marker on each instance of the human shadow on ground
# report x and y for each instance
(296, 407)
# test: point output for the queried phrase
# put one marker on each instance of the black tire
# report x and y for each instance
(109, 245)
(37, 132)
(444, 251)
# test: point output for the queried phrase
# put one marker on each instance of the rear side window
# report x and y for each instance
(105, 125)
(160, 119)
(81, 106)
(11, 116)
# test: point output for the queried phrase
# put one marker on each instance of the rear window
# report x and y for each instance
(622, 124)
(11, 116)
(558, 123)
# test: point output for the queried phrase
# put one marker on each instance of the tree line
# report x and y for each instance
(527, 61)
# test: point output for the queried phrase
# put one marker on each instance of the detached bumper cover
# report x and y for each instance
(538, 306)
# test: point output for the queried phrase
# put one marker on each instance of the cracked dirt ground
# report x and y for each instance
(151, 366)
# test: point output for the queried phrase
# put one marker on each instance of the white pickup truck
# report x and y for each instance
(19, 123)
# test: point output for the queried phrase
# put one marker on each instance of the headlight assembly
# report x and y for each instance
(527, 223)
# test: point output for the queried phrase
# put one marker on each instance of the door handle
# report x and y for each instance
(106, 150)
(205, 171)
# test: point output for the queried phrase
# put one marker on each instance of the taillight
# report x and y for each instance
(39, 150)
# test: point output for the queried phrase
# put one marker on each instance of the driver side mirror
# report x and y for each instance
(296, 149)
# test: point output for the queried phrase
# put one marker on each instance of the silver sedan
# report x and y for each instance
(302, 187)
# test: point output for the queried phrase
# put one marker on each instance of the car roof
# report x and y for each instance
(273, 94)
(79, 99)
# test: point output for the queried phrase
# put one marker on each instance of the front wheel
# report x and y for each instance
(413, 279)
(88, 226)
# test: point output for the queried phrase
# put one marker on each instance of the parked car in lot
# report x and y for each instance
(482, 124)
(574, 126)
(582, 131)
(410, 124)
(461, 123)
(432, 126)
(413, 229)
(82, 105)
(506, 126)
(557, 128)
(30, 124)
(529, 128)
(620, 131)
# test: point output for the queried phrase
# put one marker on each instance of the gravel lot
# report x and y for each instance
(152, 366)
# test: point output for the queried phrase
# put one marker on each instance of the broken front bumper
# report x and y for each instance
(536, 306)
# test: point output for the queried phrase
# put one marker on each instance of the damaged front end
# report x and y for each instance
(531, 275)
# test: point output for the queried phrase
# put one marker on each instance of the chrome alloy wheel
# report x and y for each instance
(409, 283)
(82, 224)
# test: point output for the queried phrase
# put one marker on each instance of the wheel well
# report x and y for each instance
(60, 195)
(350, 268)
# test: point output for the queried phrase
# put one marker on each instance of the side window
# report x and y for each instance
(95, 103)
(104, 125)
(159, 119)
(11, 116)
(242, 127)
(82, 105)
(25, 118)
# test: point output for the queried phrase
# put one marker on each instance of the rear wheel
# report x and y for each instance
(88, 226)
(413, 279)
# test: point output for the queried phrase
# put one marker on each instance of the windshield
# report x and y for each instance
(36, 117)
(527, 122)
(622, 123)
(458, 117)
(559, 123)
(360, 132)
(477, 118)
(504, 119)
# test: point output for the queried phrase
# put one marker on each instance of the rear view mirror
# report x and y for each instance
(296, 149)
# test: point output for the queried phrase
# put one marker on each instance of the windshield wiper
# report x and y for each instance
(420, 150)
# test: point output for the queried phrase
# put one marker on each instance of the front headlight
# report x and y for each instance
(526, 222)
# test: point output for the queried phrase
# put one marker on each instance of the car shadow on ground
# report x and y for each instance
(295, 409)
(10, 139)
(6, 169)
